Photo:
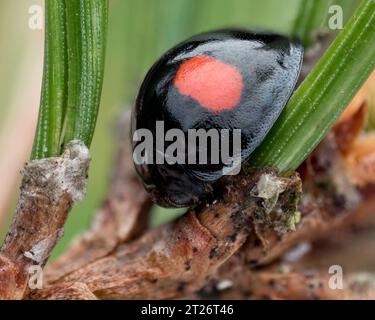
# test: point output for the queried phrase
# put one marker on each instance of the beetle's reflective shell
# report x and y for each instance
(227, 79)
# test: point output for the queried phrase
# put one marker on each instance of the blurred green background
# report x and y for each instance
(139, 32)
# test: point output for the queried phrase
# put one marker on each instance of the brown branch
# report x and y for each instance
(49, 189)
(312, 286)
(303, 275)
(284, 283)
(76, 291)
(178, 257)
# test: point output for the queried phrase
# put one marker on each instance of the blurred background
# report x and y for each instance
(139, 32)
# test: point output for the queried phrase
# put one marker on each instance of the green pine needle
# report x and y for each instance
(75, 39)
(323, 95)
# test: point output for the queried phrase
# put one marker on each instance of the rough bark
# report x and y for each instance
(49, 189)
(178, 257)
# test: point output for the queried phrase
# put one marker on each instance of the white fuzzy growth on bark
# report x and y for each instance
(269, 188)
(55, 176)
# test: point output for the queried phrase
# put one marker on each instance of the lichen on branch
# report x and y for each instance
(49, 189)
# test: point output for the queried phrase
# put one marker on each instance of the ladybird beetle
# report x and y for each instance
(223, 80)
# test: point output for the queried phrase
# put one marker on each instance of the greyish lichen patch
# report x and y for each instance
(52, 177)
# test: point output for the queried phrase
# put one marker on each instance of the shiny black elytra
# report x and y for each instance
(226, 79)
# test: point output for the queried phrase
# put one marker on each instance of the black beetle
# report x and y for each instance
(227, 79)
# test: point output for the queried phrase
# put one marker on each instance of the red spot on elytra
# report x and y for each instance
(217, 86)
